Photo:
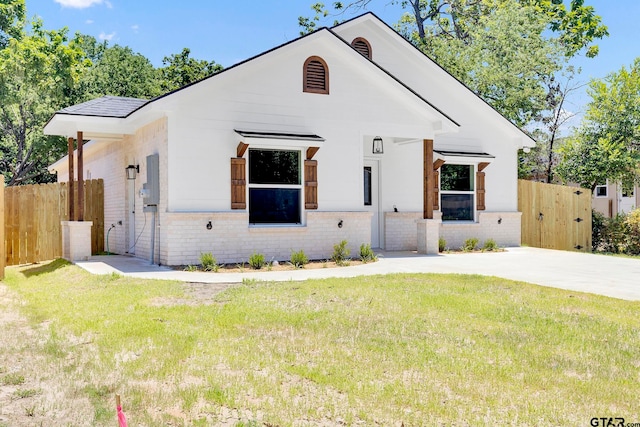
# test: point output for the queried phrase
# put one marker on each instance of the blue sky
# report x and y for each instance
(229, 31)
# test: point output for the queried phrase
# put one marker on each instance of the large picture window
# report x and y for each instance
(274, 186)
(457, 192)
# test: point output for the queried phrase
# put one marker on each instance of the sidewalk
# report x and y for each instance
(616, 277)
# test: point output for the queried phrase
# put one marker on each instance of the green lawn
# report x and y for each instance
(384, 350)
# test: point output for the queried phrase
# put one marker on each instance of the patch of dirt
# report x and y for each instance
(33, 392)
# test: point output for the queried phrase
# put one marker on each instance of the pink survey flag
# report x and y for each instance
(122, 420)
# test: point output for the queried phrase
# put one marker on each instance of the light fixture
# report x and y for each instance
(209, 225)
(377, 147)
(340, 223)
(132, 170)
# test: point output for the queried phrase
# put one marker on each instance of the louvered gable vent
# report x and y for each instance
(316, 76)
(362, 46)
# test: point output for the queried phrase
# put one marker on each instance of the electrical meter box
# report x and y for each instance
(151, 189)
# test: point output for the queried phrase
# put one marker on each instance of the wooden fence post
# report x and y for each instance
(3, 256)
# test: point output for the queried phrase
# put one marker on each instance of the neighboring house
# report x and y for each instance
(611, 199)
(325, 138)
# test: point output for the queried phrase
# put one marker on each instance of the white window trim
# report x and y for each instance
(300, 187)
(606, 187)
(473, 192)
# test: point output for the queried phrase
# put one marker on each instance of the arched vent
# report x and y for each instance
(316, 75)
(362, 46)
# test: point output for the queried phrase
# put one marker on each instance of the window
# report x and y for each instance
(316, 76)
(362, 46)
(457, 192)
(601, 191)
(274, 186)
(367, 186)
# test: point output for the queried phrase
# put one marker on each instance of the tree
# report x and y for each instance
(116, 71)
(607, 144)
(180, 70)
(12, 15)
(37, 74)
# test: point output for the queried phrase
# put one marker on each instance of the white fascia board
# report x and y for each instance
(69, 125)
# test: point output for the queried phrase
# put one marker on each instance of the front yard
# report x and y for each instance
(383, 350)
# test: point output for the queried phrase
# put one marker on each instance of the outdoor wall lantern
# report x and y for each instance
(209, 225)
(340, 223)
(377, 146)
(132, 170)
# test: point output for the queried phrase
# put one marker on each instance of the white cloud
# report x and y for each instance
(135, 28)
(81, 4)
(89, 21)
(106, 37)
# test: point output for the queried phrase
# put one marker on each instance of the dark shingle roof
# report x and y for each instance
(107, 106)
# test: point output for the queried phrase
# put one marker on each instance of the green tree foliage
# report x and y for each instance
(12, 15)
(607, 144)
(117, 71)
(180, 70)
(38, 71)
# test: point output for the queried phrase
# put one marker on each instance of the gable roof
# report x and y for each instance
(122, 108)
(374, 18)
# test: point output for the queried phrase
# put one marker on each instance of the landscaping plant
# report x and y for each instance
(209, 262)
(340, 253)
(471, 244)
(366, 253)
(299, 259)
(256, 261)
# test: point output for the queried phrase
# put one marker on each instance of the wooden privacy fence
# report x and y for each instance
(33, 213)
(555, 216)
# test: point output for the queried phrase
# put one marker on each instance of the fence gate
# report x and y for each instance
(33, 213)
(555, 216)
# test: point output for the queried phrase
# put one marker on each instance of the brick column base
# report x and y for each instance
(428, 235)
(76, 240)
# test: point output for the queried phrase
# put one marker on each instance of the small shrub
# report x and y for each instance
(340, 253)
(490, 245)
(442, 245)
(598, 226)
(366, 253)
(191, 268)
(632, 226)
(470, 244)
(256, 261)
(209, 262)
(299, 259)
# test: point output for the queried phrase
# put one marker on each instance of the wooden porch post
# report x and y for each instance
(428, 180)
(80, 179)
(72, 215)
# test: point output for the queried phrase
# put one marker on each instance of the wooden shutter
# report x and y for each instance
(238, 183)
(311, 184)
(480, 191)
(436, 190)
(316, 76)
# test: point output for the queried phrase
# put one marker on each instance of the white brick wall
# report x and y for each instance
(232, 240)
(503, 227)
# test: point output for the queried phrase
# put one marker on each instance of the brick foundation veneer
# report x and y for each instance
(232, 240)
(401, 235)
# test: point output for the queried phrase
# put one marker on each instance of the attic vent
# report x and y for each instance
(316, 76)
(362, 46)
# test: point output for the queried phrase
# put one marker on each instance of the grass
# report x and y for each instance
(447, 349)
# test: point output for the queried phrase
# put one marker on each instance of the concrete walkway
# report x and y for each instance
(605, 275)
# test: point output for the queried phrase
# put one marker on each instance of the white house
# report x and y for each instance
(346, 133)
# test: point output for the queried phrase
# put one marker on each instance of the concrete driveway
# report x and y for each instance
(615, 277)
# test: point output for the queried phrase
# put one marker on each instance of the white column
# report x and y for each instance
(76, 240)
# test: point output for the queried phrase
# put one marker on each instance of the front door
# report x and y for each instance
(626, 199)
(371, 200)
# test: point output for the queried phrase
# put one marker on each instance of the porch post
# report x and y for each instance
(428, 229)
(72, 177)
(428, 183)
(80, 178)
